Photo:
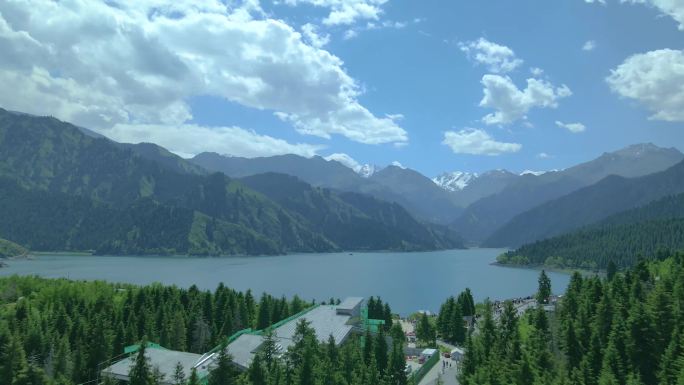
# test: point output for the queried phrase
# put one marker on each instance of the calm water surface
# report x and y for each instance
(408, 281)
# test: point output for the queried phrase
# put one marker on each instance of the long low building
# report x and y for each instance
(336, 320)
(326, 320)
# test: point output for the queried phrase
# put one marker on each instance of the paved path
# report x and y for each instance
(448, 375)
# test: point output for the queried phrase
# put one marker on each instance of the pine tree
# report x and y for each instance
(179, 375)
(141, 373)
(257, 374)
(223, 372)
(194, 378)
(544, 290)
(381, 351)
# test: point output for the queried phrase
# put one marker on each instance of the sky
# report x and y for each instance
(469, 85)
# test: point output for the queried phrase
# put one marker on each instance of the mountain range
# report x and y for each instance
(122, 199)
(412, 190)
(215, 204)
(483, 218)
(588, 205)
(648, 231)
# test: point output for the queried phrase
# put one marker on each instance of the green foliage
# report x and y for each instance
(450, 323)
(9, 249)
(63, 190)
(596, 247)
(622, 331)
(67, 329)
(544, 288)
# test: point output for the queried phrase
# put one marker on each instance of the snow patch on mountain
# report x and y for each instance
(455, 180)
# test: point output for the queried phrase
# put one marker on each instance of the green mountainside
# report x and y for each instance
(487, 220)
(72, 191)
(10, 249)
(647, 231)
(353, 221)
(588, 205)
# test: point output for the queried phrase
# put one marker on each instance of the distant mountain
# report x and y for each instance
(485, 216)
(367, 170)
(67, 190)
(164, 157)
(657, 227)
(486, 184)
(415, 192)
(350, 220)
(588, 205)
(454, 180)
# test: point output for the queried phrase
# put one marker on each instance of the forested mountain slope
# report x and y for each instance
(588, 205)
(483, 218)
(10, 249)
(93, 178)
(352, 221)
(622, 238)
(415, 192)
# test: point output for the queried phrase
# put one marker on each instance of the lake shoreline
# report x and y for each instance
(409, 281)
(565, 270)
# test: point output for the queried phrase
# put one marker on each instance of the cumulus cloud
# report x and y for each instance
(225, 140)
(345, 12)
(672, 8)
(536, 71)
(103, 64)
(314, 38)
(512, 104)
(589, 45)
(497, 58)
(477, 142)
(345, 160)
(575, 128)
(653, 79)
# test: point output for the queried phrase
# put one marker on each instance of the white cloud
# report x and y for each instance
(345, 160)
(511, 103)
(536, 72)
(314, 38)
(225, 140)
(672, 8)
(345, 12)
(653, 79)
(589, 45)
(497, 58)
(543, 155)
(101, 64)
(350, 34)
(575, 128)
(396, 163)
(477, 142)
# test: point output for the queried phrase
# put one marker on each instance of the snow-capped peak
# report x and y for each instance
(455, 180)
(367, 170)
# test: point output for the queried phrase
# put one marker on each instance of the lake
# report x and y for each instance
(408, 281)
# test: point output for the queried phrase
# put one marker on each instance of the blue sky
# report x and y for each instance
(380, 81)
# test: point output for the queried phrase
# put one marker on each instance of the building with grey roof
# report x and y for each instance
(326, 320)
(163, 360)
